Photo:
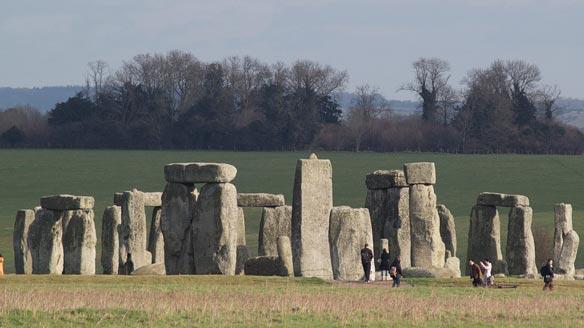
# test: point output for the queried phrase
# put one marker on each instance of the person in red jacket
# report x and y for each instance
(475, 273)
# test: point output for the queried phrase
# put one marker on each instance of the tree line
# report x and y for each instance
(175, 101)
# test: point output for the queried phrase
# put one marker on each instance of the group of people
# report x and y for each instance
(388, 269)
(481, 273)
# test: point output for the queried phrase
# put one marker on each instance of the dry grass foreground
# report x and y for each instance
(217, 301)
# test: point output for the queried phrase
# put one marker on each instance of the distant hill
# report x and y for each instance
(42, 98)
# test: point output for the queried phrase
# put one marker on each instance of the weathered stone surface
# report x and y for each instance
(215, 229)
(199, 172)
(453, 264)
(504, 200)
(178, 204)
(285, 254)
(79, 241)
(118, 198)
(260, 200)
(420, 173)
(22, 255)
(428, 250)
(520, 243)
(484, 237)
(155, 237)
(350, 230)
(45, 242)
(155, 269)
(563, 225)
(397, 228)
(312, 203)
(568, 255)
(242, 256)
(134, 229)
(265, 266)
(152, 199)
(275, 222)
(241, 227)
(110, 239)
(377, 202)
(383, 244)
(447, 228)
(67, 202)
(430, 272)
(384, 179)
(242, 251)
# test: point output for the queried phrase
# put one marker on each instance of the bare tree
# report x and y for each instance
(547, 97)
(96, 78)
(314, 76)
(367, 106)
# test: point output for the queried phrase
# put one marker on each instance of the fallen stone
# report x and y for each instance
(504, 200)
(22, 255)
(285, 254)
(275, 222)
(428, 272)
(178, 204)
(377, 202)
(520, 243)
(312, 203)
(134, 229)
(215, 229)
(155, 269)
(199, 172)
(420, 173)
(265, 266)
(397, 228)
(350, 230)
(447, 228)
(384, 179)
(568, 255)
(155, 237)
(79, 241)
(67, 202)
(428, 250)
(152, 199)
(111, 220)
(45, 242)
(484, 237)
(259, 200)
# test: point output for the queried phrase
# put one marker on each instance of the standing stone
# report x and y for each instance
(447, 228)
(155, 237)
(568, 255)
(45, 242)
(285, 254)
(350, 230)
(563, 225)
(260, 200)
(312, 203)
(484, 237)
(383, 244)
(452, 264)
(428, 250)
(111, 221)
(242, 251)
(215, 229)
(22, 255)
(275, 222)
(398, 226)
(520, 243)
(134, 229)
(378, 203)
(79, 241)
(178, 203)
(152, 199)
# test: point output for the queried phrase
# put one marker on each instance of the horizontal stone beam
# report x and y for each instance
(259, 200)
(504, 200)
(420, 173)
(67, 202)
(199, 172)
(384, 179)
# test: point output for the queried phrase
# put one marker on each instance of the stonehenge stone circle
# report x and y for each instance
(79, 241)
(45, 240)
(428, 249)
(285, 254)
(134, 229)
(566, 240)
(447, 228)
(503, 200)
(520, 243)
(155, 237)
(178, 204)
(311, 206)
(484, 237)
(259, 200)
(215, 229)
(199, 173)
(22, 254)
(420, 173)
(111, 221)
(350, 230)
(67, 202)
(275, 222)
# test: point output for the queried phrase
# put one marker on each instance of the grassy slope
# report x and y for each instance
(206, 301)
(26, 175)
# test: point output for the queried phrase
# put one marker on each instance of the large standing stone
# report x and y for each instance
(155, 237)
(447, 228)
(568, 255)
(22, 255)
(67, 202)
(259, 200)
(285, 254)
(350, 230)
(484, 237)
(398, 226)
(110, 239)
(79, 241)
(420, 173)
(312, 203)
(178, 203)
(242, 251)
(275, 222)
(199, 173)
(45, 242)
(563, 225)
(215, 229)
(428, 250)
(520, 243)
(378, 204)
(504, 200)
(134, 229)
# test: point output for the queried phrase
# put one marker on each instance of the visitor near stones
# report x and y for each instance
(547, 272)
(366, 257)
(396, 272)
(487, 267)
(384, 264)
(475, 274)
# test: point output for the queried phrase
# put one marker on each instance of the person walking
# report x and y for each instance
(487, 267)
(547, 272)
(475, 273)
(366, 257)
(1, 265)
(396, 272)
(384, 264)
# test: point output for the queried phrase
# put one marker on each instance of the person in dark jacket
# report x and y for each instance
(384, 264)
(129, 266)
(475, 274)
(396, 272)
(547, 272)
(366, 257)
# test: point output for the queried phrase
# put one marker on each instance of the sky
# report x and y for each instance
(48, 43)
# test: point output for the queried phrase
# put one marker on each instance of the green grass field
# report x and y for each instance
(26, 175)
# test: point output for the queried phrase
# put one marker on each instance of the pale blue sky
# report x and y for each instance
(50, 42)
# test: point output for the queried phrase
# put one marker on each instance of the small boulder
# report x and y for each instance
(156, 269)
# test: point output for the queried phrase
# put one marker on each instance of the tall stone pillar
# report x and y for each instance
(520, 243)
(566, 240)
